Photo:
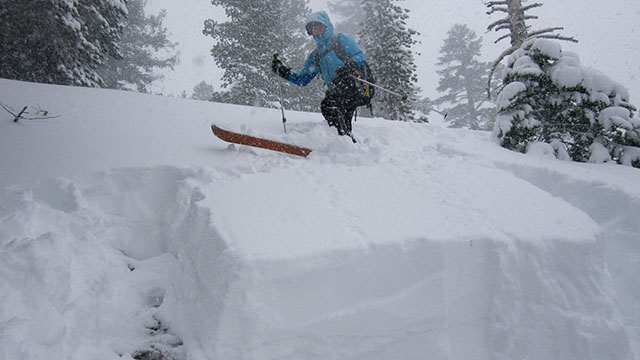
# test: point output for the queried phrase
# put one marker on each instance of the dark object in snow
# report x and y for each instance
(164, 345)
(44, 114)
(153, 354)
(20, 114)
(236, 138)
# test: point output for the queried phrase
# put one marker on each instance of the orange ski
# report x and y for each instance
(232, 137)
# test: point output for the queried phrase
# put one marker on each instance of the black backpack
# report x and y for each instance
(365, 90)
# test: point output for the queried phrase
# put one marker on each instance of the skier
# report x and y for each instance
(342, 97)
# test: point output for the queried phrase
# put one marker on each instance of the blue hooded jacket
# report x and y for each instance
(330, 62)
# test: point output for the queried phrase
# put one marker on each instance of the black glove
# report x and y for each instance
(279, 68)
(349, 67)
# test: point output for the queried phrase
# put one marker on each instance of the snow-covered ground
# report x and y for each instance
(126, 226)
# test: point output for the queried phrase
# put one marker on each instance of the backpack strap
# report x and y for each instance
(336, 47)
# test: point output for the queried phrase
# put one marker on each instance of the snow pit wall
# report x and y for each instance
(110, 264)
(617, 214)
(470, 298)
(202, 267)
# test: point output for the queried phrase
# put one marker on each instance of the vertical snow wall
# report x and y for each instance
(473, 298)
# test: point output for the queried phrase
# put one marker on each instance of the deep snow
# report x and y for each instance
(125, 226)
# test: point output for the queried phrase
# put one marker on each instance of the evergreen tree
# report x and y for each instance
(463, 79)
(142, 39)
(203, 91)
(352, 14)
(581, 113)
(387, 43)
(244, 47)
(518, 31)
(59, 41)
(424, 107)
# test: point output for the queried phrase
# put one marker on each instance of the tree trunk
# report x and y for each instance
(518, 27)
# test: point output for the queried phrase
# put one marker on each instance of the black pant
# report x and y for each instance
(339, 105)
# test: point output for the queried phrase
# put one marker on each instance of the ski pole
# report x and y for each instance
(284, 119)
(404, 97)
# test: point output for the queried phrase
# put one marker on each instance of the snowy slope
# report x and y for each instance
(126, 226)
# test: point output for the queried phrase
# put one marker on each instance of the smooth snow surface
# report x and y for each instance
(125, 226)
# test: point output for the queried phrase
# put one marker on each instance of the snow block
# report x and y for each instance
(453, 300)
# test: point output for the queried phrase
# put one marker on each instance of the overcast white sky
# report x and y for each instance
(608, 32)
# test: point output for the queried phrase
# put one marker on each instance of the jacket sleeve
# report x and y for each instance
(308, 72)
(352, 49)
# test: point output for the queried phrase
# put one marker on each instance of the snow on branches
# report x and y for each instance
(67, 40)
(515, 22)
(551, 100)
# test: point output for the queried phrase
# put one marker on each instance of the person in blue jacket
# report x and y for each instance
(342, 97)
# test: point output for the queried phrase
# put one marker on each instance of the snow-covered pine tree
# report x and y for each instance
(352, 16)
(463, 79)
(424, 107)
(203, 91)
(518, 31)
(579, 114)
(244, 46)
(59, 41)
(143, 38)
(387, 42)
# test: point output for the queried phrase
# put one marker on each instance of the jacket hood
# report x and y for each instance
(323, 18)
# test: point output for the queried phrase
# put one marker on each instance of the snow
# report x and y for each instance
(615, 115)
(598, 81)
(125, 225)
(567, 76)
(509, 92)
(599, 153)
(541, 149)
(550, 48)
(525, 65)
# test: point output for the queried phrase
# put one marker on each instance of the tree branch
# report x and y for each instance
(502, 38)
(503, 27)
(496, 3)
(543, 31)
(495, 66)
(17, 116)
(20, 115)
(497, 23)
(494, 9)
(528, 7)
(557, 37)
